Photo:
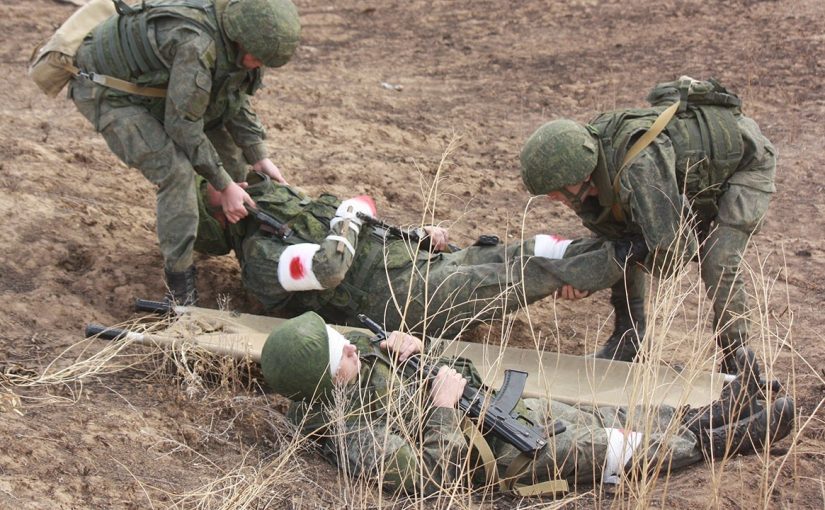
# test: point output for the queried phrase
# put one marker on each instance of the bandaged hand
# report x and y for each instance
(439, 237)
(402, 344)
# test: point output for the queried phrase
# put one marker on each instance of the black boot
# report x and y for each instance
(749, 434)
(182, 290)
(739, 398)
(629, 325)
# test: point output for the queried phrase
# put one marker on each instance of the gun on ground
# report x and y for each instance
(493, 415)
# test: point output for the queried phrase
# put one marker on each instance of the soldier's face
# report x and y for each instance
(349, 366)
(564, 198)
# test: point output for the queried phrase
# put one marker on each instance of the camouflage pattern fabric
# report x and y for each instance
(392, 281)
(422, 452)
(205, 126)
(651, 197)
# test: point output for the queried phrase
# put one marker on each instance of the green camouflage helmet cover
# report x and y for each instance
(295, 358)
(558, 154)
(267, 29)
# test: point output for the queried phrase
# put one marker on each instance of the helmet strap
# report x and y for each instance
(577, 199)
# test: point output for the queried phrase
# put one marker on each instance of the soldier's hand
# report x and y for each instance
(447, 387)
(439, 237)
(233, 198)
(571, 293)
(402, 344)
(266, 166)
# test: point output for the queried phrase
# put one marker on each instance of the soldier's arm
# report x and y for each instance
(191, 55)
(656, 205)
(248, 133)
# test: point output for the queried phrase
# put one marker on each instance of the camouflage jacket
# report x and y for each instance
(181, 45)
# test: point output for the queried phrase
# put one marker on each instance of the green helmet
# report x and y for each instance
(268, 29)
(295, 358)
(558, 154)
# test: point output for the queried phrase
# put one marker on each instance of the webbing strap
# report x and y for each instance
(485, 453)
(658, 126)
(507, 483)
(116, 83)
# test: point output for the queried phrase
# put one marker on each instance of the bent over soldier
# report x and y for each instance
(688, 176)
(336, 263)
(189, 68)
(379, 422)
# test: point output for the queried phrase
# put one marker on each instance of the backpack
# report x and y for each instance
(693, 93)
(51, 64)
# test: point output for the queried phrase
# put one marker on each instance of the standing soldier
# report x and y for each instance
(168, 85)
(638, 175)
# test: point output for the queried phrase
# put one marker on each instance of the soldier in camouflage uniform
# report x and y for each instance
(208, 55)
(340, 272)
(710, 169)
(376, 424)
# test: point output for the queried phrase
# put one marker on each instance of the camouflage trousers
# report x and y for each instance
(139, 140)
(651, 439)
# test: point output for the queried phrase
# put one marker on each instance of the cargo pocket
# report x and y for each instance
(137, 139)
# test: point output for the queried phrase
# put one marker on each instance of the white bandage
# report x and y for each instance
(353, 224)
(336, 349)
(621, 444)
(344, 240)
(550, 247)
(295, 268)
(349, 209)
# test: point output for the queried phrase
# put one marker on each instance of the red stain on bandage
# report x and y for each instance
(296, 268)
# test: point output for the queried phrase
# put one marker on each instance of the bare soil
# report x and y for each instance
(78, 241)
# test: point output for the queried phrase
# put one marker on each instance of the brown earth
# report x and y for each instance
(78, 242)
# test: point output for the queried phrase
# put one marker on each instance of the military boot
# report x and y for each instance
(749, 434)
(182, 290)
(628, 327)
(738, 400)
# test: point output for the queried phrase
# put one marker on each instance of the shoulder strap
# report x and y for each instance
(641, 144)
(115, 83)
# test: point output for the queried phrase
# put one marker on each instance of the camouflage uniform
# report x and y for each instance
(447, 290)
(710, 169)
(204, 126)
(384, 431)
(651, 198)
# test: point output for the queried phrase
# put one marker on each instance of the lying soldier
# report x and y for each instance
(346, 393)
(336, 263)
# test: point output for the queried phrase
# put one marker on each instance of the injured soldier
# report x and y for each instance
(377, 420)
(331, 257)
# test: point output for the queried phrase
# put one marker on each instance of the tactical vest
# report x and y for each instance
(706, 141)
(125, 47)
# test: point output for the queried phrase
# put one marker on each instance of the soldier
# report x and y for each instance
(384, 432)
(641, 175)
(339, 264)
(187, 70)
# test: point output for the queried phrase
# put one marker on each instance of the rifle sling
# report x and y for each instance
(516, 469)
(646, 139)
(116, 83)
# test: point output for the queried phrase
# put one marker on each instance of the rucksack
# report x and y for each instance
(51, 62)
(692, 92)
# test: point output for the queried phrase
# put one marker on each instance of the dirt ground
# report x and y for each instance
(78, 242)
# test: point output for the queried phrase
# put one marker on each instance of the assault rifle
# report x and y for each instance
(494, 415)
(417, 236)
(269, 223)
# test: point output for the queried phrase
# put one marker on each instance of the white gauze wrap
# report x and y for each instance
(361, 204)
(336, 349)
(551, 247)
(295, 268)
(621, 444)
